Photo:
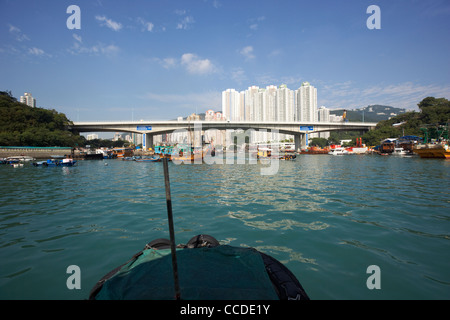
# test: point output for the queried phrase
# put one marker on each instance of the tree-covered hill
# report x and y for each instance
(21, 125)
(433, 112)
(371, 113)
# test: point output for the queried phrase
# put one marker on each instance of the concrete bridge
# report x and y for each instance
(152, 128)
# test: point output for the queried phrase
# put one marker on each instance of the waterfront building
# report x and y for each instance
(28, 99)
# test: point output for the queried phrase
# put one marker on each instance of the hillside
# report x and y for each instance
(372, 113)
(21, 125)
(433, 112)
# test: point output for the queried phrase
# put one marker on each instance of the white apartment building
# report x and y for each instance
(231, 105)
(92, 136)
(285, 104)
(324, 116)
(306, 102)
(28, 99)
(270, 104)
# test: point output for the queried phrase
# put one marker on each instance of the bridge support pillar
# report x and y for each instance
(300, 141)
(147, 141)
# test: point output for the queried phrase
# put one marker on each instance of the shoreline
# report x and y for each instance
(35, 152)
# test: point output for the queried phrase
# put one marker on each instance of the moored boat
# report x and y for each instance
(148, 159)
(55, 163)
(18, 159)
(338, 151)
(435, 144)
(399, 151)
(433, 150)
(314, 150)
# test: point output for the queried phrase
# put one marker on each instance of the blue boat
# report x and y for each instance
(55, 163)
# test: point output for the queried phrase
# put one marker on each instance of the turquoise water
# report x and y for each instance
(326, 218)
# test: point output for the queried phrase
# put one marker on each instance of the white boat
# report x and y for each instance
(400, 152)
(16, 159)
(338, 151)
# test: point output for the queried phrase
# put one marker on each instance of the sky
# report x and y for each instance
(161, 59)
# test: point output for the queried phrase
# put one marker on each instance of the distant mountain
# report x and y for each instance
(373, 113)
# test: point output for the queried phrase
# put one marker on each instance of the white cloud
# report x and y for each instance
(36, 51)
(238, 75)
(195, 65)
(180, 12)
(146, 25)
(247, 52)
(17, 33)
(254, 22)
(169, 63)
(77, 38)
(116, 26)
(275, 53)
(185, 23)
(97, 49)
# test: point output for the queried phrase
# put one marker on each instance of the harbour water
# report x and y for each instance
(326, 218)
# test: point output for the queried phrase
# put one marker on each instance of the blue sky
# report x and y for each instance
(157, 60)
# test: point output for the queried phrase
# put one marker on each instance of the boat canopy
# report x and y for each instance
(414, 138)
(208, 273)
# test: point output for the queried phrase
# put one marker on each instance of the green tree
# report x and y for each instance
(319, 142)
(432, 112)
(21, 125)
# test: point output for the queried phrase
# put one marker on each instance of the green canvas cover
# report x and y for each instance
(214, 273)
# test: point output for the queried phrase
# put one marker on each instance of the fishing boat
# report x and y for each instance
(207, 270)
(314, 150)
(55, 163)
(47, 163)
(67, 162)
(122, 152)
(433, 150)
(435, 142)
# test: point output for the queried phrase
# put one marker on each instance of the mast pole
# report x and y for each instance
(171, 230)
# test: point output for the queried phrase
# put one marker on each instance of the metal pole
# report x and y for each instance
(172, 235)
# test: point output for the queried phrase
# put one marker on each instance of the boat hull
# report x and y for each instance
(433, 151)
